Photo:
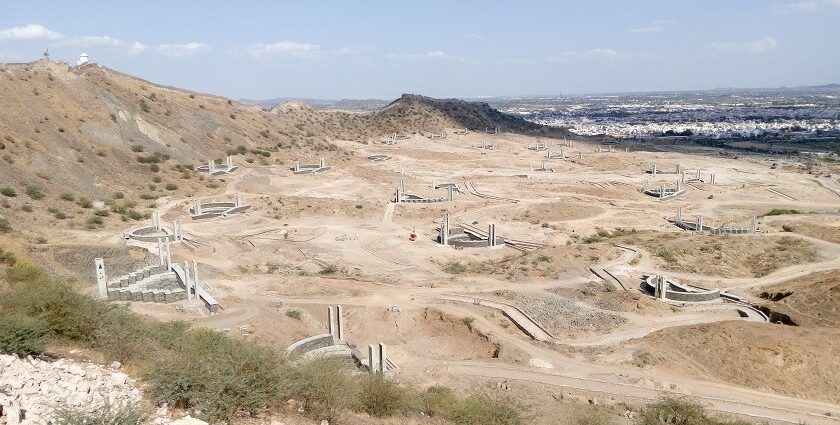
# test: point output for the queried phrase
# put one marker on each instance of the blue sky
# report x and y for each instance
(380, 49)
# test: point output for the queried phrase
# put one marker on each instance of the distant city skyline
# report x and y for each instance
(468, 49)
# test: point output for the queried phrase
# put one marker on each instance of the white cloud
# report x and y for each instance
(285, 48)
(647, 29)
(434, 54)
(29, 32)
(753, 46)
(811, 5)
(660, 25)
(602, 53)
(94, 40)
(182, 49)
(137, 47)
(588, 54)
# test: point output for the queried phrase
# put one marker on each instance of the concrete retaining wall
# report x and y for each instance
(308, 344)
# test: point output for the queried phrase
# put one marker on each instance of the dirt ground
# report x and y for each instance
(311, 241)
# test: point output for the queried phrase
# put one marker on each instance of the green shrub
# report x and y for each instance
(454, 267)
(67, 313)
(328, 270)
(325, 386)
(8, 191)
(379, 396)
(667, 255)
(122, 337)
(218, 375)
(119, 195)
(782, 211)
(485, 410)
(34, 192)
(671, 410)
(294, 314)
(84, 203)
(68, 197)
(4, 225)
(22, 335)
(593, 239)
(105, 415)
(437, 401)
(171, 186)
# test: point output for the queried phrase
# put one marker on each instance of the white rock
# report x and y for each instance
(188, 420)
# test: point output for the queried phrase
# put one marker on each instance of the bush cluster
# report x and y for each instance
(223, 377)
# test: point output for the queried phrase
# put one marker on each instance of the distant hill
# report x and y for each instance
(415, 114)
(342, 104)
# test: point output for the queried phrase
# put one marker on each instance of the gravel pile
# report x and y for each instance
(32, 391)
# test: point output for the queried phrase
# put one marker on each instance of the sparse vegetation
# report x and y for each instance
(454, 267)
(106, 415)
(8, 191)
(294, 314)
(328, 270)
(34, 192)
(673, 410)
(781, 211)
(667, 255)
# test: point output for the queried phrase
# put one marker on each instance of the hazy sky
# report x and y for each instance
(366, 49)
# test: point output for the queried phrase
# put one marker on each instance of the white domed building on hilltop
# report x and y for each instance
(83, 59)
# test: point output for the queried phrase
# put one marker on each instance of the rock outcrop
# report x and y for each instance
(32, 391)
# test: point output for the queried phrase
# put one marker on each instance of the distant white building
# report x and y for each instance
(83, 59)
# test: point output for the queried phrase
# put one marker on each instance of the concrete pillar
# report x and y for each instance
(211, 166)
(168, 257)
(195, 280)
(230, 161)
(698, 174)
(678, 186)
(101, 282)
(663, 285)
(372, 366)
(662, 191)
(339, 321)
(561, 154)
(753, 225)
(700, 223)
(383, 358)
(156, 220)
(627, 149)
(679, 169)
(296, 166)
(187, 285)
(679, 214)
(330, 321)
(654, 169)
(580, 155)
(712, 179)
(682, 178)
(175, 230)
(321, 163)
(450, 193)
(236, 199)
(161, 257)
(491, 234)
(444, 230)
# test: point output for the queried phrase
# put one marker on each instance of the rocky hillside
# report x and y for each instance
(414, 114)
(75, 138)
(83, 147)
